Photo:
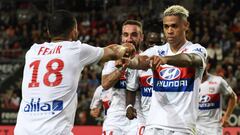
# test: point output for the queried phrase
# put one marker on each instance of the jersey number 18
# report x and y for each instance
(35, 64)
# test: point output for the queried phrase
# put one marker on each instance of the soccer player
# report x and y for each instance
(116, 122)
(212, 90)
(51, 75)
(100, 98)
(177, 68)
(141, 79)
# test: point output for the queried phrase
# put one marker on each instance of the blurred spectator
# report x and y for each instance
(211, 55)
(232, 81)
(10, 100)
(236, 52)
(219, 53)
(225, 44)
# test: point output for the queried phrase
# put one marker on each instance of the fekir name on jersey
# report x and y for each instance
(49, 86)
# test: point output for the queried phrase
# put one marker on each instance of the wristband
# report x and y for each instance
(130, 105)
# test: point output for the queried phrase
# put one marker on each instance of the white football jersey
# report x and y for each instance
(116, 120)
(118, 103)
(141, 80)
(210, 102)
(174, 103)
(100, 98)
(50, 80)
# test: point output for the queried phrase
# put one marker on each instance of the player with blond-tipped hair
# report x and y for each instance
(177, 69)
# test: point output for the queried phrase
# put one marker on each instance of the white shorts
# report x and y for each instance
(159, 131)
(116, 124)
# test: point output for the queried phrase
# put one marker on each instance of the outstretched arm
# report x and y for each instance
(179, 60)
(114, 51)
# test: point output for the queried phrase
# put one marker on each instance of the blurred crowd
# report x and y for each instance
(215, 24)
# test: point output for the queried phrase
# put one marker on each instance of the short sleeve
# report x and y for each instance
(225, 88)
(109, 67)
(200, 51)
(150, 51)
(89, 54)
(132, 82)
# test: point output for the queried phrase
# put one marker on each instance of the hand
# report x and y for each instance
(156, 61)
(124, 62)
(224, 121)
(145, 62)
(130, 50)
(131, 113)
(95, 112)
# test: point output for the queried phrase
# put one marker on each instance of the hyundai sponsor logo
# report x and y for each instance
(38, 106)
(170, 73)
(205, 99)
(177, 83)
(150, 80)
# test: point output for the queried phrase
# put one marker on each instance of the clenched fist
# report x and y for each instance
(130, 50)
(131, 113)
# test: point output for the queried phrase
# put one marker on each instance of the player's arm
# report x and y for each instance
(109, 80)
(230, 107)
(140, 62)
(96, 103)
(114, 51)
(95, 112)
(179, 60)
(132, 84)
(131, 112)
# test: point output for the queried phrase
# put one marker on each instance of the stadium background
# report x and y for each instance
(215, 24)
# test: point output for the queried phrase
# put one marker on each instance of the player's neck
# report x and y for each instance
(205, 76)
(177, 46)
(59, 39)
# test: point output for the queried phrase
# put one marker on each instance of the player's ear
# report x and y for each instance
(142, 37)
(186, 25)
(74, 33)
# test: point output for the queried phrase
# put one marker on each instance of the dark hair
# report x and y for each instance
(134, 22)
(60, 23)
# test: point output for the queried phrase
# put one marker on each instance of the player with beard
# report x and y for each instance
(114, 76)
(141, 80)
